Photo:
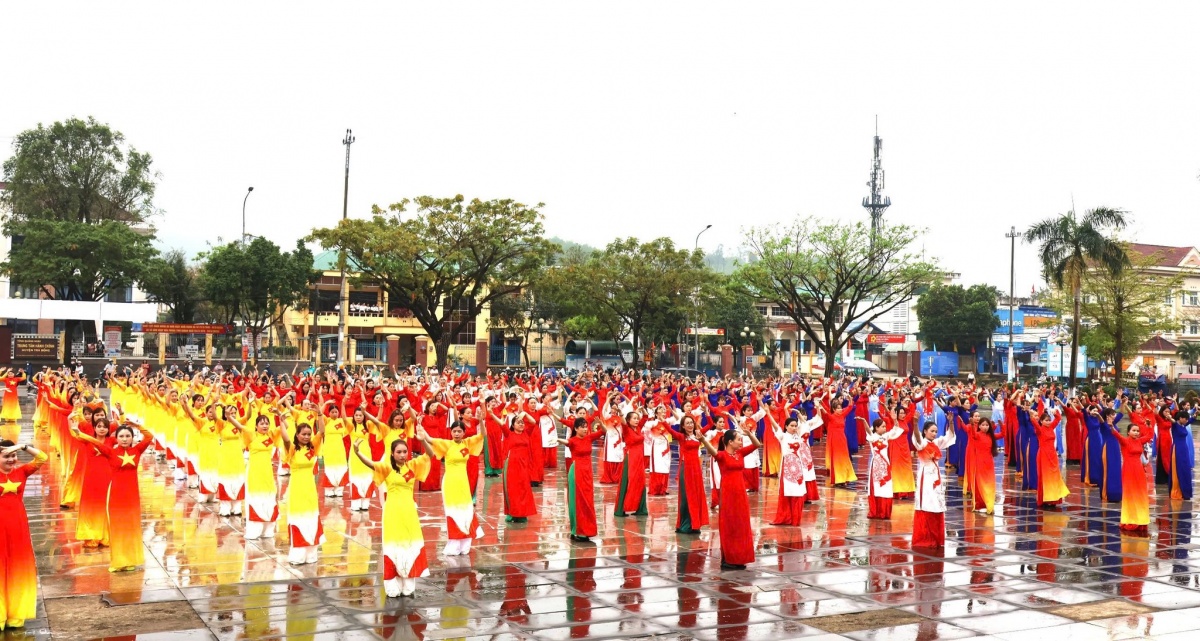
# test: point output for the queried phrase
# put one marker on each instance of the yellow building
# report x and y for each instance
(372, 318)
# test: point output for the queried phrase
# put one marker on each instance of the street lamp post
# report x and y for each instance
(1012, 235)
(244, 214)
(344, 290)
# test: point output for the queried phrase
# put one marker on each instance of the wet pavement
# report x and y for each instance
(1021, 574)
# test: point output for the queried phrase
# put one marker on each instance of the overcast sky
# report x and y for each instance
(642, 119)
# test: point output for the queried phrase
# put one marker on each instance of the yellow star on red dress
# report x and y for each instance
(9, 487)
(128, 459)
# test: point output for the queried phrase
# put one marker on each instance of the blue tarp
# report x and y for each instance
(939, 363)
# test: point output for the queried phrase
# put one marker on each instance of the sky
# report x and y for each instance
(634, 118)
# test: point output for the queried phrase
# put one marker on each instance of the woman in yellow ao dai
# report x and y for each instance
(403, 543)
(461, 524)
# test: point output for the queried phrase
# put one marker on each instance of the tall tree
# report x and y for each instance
(78, 199)
(832, 278)
(449, 260)
(957, 317)
(256, 283)
(632, 288)
(1122, 304)
(172, 282)
(1069, 245)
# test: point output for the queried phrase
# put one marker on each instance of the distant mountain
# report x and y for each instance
(717, 260)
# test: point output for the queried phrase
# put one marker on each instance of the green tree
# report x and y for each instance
(1069, 246)
(832, 278)
(173, 283)
(256, 283)
(957, 317)
(449, 260)
(77, 199)
(1123, 306)
(727, 304)
(1190, 353)
(517, 316)
(634, 289)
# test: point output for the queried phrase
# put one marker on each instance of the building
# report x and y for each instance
(22, 315)
(793, 352)
(373, 318)
(1181, 308)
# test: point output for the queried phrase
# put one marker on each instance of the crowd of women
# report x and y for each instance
(230, 437)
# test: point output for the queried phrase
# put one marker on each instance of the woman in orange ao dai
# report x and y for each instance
(1135, 494)
(124, 498)
(18, 568)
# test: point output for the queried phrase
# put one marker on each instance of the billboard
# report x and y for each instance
(1018, 324)
(1058, 360)
(1039, 317)
(35, 348)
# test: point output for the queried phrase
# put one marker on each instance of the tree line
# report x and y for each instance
(79, 206)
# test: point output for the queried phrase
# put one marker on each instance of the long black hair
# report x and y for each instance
(991, 432)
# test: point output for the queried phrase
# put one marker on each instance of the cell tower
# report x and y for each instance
(876, 203)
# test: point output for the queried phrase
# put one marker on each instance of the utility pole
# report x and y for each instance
(344, 295)
(1011, 235)
(876, 203)
(696, 304)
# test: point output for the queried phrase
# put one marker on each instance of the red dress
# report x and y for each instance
(1074, 434)
(693, 511)
(494, 446)
(631, 493)
(18, 569)
(125, 505)
(983, 470)
(1050, 488)
(533, 429)
(92, 522)
(1135, 491)
(435, 426)
(518, 493)
(737, 541)
(581, 504)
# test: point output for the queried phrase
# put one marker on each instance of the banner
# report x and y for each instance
(185, 328)
(112, 340)
(705, 331)
(885, 339)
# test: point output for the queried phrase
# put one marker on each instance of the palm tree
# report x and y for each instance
(1070, 246)
(1189, 352)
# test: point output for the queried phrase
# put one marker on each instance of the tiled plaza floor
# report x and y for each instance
(1021, 574)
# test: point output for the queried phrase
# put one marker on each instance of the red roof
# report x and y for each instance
(1167, 256)
(1158, 344)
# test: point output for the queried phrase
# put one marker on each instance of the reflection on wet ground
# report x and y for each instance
(1023, 573)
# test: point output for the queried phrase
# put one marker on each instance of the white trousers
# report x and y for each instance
(256, 530)
(458, 547)
(399, 587)
(303, 555)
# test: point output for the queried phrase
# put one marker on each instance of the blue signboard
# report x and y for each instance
(939, 363)
(1018, 326)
